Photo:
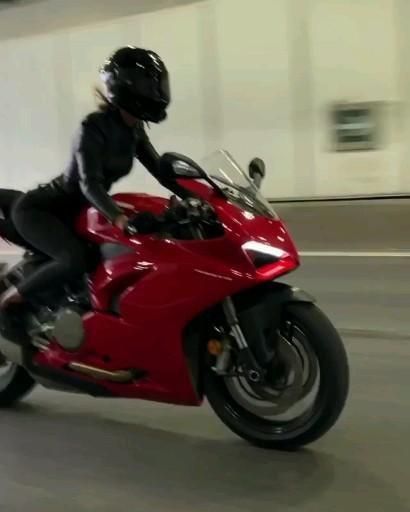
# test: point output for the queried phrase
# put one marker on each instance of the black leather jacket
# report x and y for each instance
(103, 152)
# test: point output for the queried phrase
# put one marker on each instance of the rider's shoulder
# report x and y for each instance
(97, 118)
(97, 122)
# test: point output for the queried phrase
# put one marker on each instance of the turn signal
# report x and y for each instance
(215, 347)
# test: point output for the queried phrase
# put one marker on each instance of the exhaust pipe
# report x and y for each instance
(13, 353)
(99, 373)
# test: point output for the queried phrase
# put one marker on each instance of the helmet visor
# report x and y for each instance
(144, 85)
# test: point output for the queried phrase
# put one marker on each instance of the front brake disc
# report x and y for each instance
(287, 394)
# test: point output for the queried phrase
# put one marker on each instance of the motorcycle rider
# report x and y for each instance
(136, 92)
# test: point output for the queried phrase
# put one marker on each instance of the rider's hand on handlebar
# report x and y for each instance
(189, 210)
(121, 222)
(144, 223)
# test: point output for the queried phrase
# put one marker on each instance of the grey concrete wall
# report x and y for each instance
(351, 225)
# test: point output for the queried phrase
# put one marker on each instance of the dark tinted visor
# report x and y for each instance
(146, 84)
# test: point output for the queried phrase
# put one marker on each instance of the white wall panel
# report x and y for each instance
(255, 93)
(89, 47)
(28, 105)
(354, 58)
(244, 75)
(173, 34)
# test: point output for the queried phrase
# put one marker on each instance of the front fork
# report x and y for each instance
(252, 370)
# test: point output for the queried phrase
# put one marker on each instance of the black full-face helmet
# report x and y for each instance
(137, 81)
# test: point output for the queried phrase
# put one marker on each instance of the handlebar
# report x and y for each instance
(143, 223)
(189, 212)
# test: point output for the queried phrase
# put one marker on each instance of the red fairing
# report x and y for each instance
(160, 285)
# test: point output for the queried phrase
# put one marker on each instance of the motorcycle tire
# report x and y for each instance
(332, 391)
(15, 384)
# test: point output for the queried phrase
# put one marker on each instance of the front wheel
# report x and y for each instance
(308, 384)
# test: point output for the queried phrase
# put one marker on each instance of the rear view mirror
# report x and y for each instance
(175, 165)
(185, 170)
(257, 171)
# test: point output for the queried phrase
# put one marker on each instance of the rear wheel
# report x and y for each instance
(305, 389)
(15, 383)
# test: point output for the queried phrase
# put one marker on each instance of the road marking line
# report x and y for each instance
(354, 254)
(309, 254)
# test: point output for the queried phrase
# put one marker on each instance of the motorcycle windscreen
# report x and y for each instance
(235, 184)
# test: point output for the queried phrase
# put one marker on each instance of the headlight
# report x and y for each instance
(262, 254)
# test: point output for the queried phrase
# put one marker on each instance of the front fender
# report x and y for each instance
(276, 294)
(285, 293)
(260, 313)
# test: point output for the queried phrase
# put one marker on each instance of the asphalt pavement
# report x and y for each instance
(62, 452)
(367, 295)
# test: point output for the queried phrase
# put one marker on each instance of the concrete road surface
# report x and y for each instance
(370, 294)
(61, 452)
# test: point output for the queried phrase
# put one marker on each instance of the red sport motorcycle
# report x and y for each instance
(188, 309)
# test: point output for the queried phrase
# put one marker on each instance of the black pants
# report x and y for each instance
(8, 231)
(44, 218)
